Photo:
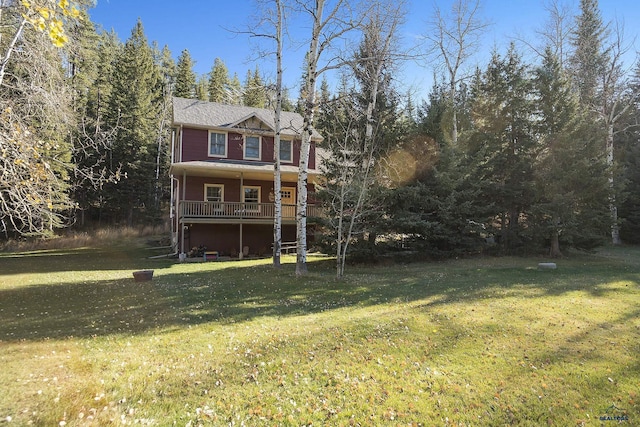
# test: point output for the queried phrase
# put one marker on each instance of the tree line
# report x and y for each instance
(86, 118)
(513, 156)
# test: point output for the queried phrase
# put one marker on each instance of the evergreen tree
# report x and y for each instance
(168, 70)
(91, 63)
(134, 109)
(235, 91)
(503, 142)
(435, 198)
(571, 204)
(185, 77)
(202, 88)
(219, 82)
(254, 90)
(588, 59)
(629, 161)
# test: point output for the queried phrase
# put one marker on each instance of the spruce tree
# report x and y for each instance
(254, 90)
(503, 142)
(219, 82)
(589, 58)
(91, 73)
(235, 91)
(571, 206)
(134, 109)
(202, 88)
(185, 76)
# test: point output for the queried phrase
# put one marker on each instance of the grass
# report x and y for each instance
(487, 341)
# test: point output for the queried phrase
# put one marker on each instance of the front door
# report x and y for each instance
(288, 197)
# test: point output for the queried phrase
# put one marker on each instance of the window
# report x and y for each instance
(251, 198)
(252, 147)
(286, 151)
(217, 144)
(213, 193)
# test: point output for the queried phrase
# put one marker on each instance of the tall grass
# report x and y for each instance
(73, 239)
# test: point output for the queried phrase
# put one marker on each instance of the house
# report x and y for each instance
(222, 174)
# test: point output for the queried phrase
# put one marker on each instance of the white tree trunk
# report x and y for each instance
(615, 228)
(309, 108)
(277, 179)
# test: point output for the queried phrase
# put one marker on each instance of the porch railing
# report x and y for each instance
(238, 210)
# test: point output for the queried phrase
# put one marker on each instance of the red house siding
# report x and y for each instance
(267, 149)
(195, 147)
(225, 238)
(194, 144)
(232, 193)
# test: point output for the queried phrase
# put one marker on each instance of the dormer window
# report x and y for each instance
(217, 144)
(252, 147)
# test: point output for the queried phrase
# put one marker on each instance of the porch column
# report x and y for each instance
(182, 255)
(240, 256)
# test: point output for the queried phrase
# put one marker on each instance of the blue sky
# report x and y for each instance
(201, 26)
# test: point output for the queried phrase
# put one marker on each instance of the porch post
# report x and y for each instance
(182, 255)
(241, 255)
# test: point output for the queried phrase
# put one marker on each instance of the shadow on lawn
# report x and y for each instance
(239, 293)
(83, 259)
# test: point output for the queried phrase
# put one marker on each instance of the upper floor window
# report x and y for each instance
(286, 151)
(217, 144)
(252, 147)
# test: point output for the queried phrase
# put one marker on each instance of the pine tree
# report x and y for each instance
(571, 204)
(168, 70)
(91, 70)
(134, 104)
(185, 77)
(588, 59)
(235, 91)
(254, 90)
(503, 142)
(629, 160)
(219, 82)
(202, 88)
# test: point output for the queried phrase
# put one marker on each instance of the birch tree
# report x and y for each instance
(372, 68)
(598, 72)
(453, 40)
(272, 27)
(36, 115)
(326, 31)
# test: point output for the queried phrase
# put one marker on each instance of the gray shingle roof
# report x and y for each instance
(193, 112)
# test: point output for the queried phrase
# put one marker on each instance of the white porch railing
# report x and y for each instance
(238, 210)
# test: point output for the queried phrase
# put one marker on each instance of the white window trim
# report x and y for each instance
(244, 148)
(218, 206)
(226, 144)
(290, 142)
(220, 186)
(256, 187)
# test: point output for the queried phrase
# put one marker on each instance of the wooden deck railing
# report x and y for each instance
(237, 210)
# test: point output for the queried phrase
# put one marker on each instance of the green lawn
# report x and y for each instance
(487, 341)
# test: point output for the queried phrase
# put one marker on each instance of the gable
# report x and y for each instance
(212, 115)
(252, 123)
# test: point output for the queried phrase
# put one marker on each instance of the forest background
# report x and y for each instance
(510, 155)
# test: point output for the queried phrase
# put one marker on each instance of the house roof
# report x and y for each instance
(213, 115)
